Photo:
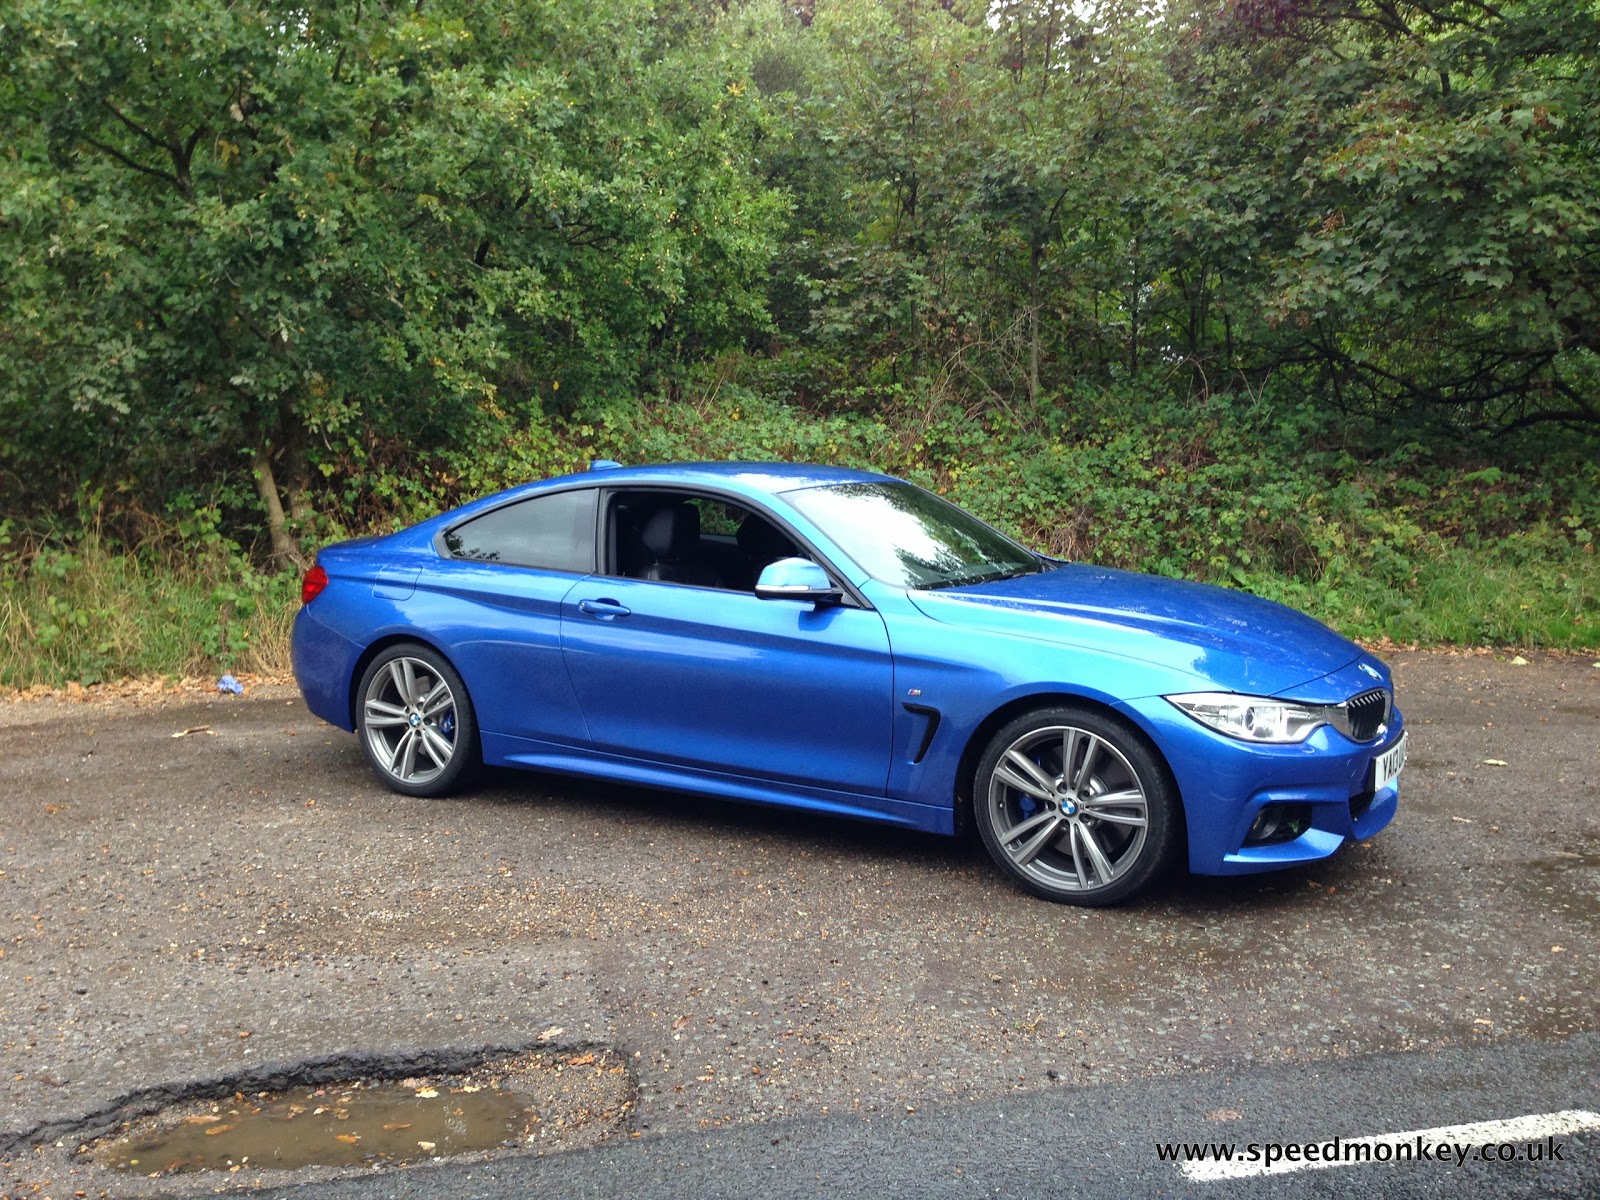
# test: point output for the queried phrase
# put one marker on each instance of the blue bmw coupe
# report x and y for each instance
(848, 643)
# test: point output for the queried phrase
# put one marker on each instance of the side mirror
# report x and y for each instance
(797, 579)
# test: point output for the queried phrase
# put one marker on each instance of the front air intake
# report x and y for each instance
(1367, 715)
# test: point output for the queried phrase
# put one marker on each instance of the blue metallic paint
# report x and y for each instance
(722, 681)
(781, 702)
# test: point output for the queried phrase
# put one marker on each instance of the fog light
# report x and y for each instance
(1278, 823)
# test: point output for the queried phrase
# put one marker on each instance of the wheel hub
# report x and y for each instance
(414, 719)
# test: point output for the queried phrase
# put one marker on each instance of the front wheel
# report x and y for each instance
(1075, 807)
(416, 722)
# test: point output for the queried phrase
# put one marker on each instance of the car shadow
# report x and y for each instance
(692, 815)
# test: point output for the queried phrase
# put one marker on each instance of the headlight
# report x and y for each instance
(1253, 718)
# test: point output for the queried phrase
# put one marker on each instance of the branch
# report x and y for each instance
(138, 129)
(137, 166)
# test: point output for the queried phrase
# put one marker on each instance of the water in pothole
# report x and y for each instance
(553, 1102)
(331, 1128)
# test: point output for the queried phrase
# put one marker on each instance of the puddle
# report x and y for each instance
(524, 1103)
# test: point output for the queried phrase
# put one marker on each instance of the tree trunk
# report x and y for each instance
(285, 550)
(1037, 252)
(296, 474)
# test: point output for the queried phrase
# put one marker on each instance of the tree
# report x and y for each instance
(1437, 168)
(288, 235)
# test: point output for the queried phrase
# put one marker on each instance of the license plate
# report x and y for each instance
(1386, 767)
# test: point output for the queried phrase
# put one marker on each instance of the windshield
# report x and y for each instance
(900, 534)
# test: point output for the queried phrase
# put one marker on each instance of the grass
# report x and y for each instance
(1459, 598)
(92, 612)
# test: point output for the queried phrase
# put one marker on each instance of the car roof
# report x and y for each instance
(749, 479)
(771, 477)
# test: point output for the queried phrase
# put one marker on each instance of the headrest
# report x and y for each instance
(672, 531)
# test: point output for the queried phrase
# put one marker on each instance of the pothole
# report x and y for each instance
(528, 1102)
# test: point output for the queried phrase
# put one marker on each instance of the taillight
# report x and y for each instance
(311, 586)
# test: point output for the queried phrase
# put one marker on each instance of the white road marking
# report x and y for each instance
(1456, 1142)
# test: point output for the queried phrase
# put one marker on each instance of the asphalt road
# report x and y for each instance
(805, 1006)
(1089, 1143)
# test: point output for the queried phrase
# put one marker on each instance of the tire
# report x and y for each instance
(1094, 835)
(416, 722)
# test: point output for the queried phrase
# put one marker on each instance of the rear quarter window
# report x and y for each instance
(553, 533)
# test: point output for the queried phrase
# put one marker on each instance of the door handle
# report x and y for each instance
(603, 608)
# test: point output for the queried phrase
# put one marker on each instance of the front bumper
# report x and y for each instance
(1225, 783)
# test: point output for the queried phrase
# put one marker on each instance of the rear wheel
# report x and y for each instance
(416, 722)
(1075, 807)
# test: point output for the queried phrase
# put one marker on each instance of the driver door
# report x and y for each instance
(711, 678)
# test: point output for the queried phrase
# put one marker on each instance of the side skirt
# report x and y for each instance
(503, 750)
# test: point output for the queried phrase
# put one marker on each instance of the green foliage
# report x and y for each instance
(1446, 156)
(237, 236)
(184, 602)
(1242, 291)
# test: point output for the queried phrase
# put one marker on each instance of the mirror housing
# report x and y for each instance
(797, 579)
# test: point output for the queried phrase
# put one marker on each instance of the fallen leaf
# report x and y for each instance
(195, 729)
(216, 1129)
(1224, 1114)
(582, 1060)
(1495, 762)
(427, 1145)
(1519, 661)
(202, 1119)
(349, 1139)
(1463, 820)
(427, 1093)
(553, 1032)
(396, 1126)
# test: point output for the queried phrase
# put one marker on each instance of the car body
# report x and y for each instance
(846, 643)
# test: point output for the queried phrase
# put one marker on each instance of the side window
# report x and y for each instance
(553, 532)
(679, 537)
